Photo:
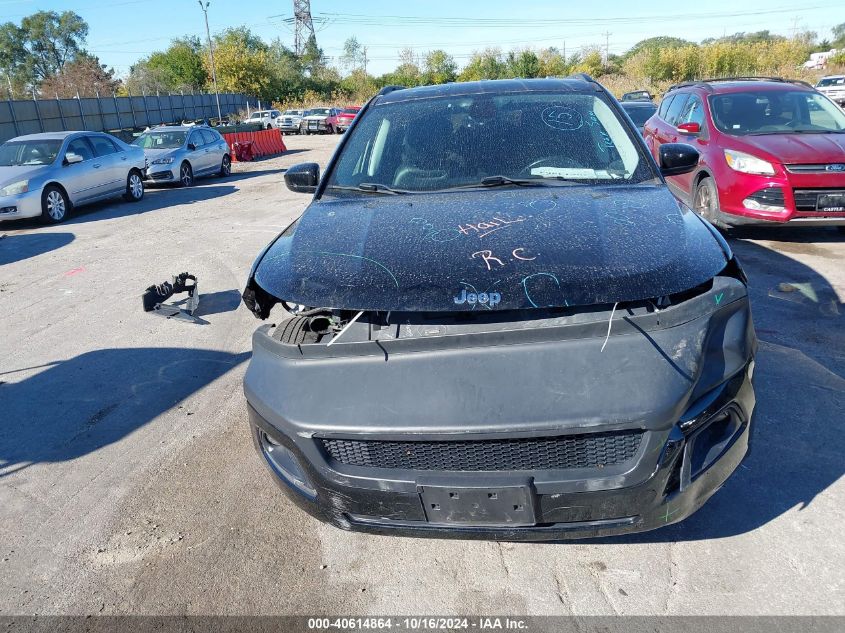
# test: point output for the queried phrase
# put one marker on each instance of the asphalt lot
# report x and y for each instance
(128, 481)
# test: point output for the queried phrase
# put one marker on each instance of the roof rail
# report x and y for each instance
(588, 79)
(389, 89)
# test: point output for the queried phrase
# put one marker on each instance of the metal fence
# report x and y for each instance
(111, 114)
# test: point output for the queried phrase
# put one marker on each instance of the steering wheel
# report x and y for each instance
(557, 161)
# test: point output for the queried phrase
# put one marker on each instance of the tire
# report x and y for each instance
(186, 175)
(705, 202)
(134, 187)
(225, 166)
(54, 205)
(295, 331)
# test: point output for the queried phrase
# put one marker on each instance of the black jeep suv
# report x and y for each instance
(499, 323)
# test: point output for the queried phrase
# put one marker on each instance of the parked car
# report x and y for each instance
(340, 121)
(772, 151)
(500, 323)
(637, 95)
(47, 175)
(181, 153)
(266, 118)
(289, 121)
(639, 111)
(315, 121)
(833, 87)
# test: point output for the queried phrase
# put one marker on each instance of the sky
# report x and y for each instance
(123, 31)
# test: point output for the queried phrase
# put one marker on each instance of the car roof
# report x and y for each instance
(50, 135)
(492, 86)
(637, 104)
(178, 128)
(740, 84)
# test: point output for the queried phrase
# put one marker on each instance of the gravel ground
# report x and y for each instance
(128, 482)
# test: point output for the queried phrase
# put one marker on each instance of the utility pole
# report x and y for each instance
(213, 68)
(607, 35)
(365, 60)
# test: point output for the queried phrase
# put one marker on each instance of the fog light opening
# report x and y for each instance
(710, 443)
(770, 199)
(284, 462)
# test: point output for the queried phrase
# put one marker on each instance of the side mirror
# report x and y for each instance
(72, 158)
(677, 159)
(191, 147)
(303, 178)
(689, 128)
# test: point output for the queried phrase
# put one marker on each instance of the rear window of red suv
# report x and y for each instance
(757, 112)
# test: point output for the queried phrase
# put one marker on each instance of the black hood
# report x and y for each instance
(500, 249)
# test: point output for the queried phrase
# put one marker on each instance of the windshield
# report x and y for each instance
(39, 152)
(293, 112)
(350, 111)
(456, 141)
(160, 140)
(640, 114)
(831, 81)
(775, 112)
(319, 111)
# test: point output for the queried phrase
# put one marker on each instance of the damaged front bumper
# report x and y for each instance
(522, 431)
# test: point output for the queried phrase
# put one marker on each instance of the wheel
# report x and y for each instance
(134, 187)
(54, 205)
(186, 175)
(225, 166)
(705, 202)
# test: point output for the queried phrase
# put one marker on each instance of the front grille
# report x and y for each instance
(806, 199)
(815, 168)
(591, 450)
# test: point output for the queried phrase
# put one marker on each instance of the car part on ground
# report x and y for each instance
(772, 150)
(530, 344)
(154, 297)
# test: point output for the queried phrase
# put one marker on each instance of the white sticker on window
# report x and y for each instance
(574, 173)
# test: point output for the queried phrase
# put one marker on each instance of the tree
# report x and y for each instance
(659, 42)
(243, 63)
(180, 67)
(552, 63)
(591, 62)
(52, 40)
(486, 64)
(12, 58)
(84, 76)
(439, 67)
(41, 45)
(838, 32)
(354, 55)
(525, 64)
(408, 72)
(313, 60)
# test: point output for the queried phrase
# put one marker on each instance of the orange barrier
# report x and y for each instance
(263, 143)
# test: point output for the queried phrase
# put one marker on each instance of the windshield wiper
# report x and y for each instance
(370, 187)
(499, 181)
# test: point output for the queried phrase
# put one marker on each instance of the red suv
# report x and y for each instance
(772, 151)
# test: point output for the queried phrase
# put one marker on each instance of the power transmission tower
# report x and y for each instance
(607, 35)
(304, 28)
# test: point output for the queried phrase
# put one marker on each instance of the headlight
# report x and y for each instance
(163, 161)
(748, 164)
(21, 186)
